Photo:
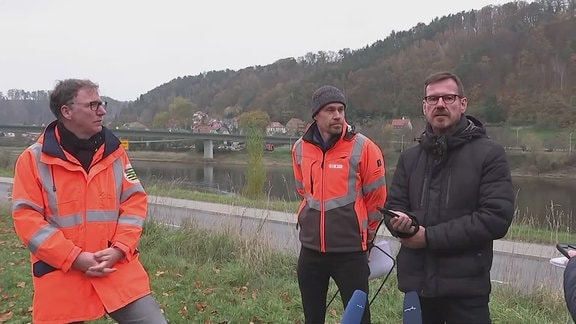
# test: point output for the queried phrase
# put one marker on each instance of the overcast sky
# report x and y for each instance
(130, 47)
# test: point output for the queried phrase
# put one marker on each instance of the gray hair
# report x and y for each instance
(65, 91)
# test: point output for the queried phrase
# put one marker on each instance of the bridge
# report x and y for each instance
(151, 135)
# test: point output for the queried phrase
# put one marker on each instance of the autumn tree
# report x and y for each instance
(256, 171)
(494, 113)
(160, 120)
(253, 124)
(255, 119)
(182, 109)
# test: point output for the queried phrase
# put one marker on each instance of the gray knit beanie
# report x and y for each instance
(325, 95)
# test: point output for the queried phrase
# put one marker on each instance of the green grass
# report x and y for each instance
(526, 230)
(234, 200)
(6, 173)
(199, 276)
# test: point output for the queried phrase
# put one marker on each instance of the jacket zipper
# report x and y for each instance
(425, 205)
(423, 195)
(448, 187)
(322, 211)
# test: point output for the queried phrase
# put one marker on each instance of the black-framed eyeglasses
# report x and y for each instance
(448, 99)
(93, 105)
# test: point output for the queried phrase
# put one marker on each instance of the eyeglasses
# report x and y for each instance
(93, 105)
(448, 99)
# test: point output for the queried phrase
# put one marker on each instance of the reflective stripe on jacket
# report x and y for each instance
(341, 190)
(59, 210)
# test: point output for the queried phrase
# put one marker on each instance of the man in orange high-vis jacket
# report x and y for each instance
(80, 210)
(340, 176)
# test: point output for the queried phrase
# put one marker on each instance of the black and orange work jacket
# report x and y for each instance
(341, 187)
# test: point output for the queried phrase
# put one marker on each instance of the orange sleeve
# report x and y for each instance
(133, 211)
(44, 240)
(297, 168)
(373, 183)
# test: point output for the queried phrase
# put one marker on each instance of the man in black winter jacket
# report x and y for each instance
(457, 185)
(570, 284)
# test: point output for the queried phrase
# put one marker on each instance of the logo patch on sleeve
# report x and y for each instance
(379, 163)
(130, 173)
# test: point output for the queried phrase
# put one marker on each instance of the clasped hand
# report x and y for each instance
(98, 264)
(403, 224)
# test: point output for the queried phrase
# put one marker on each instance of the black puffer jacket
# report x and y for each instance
(570, 287)
(459, 187)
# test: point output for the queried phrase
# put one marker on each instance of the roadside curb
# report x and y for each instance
(533, 250)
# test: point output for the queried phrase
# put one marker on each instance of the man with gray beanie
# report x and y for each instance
(340, 176)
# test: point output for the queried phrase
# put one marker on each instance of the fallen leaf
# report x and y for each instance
(200, 307)
(4, 317)
(285, 296)
(208, 291)
(197, 284)
(254, 294)
(21, 284)
(332, 312)
(183, 310)
(159, 273)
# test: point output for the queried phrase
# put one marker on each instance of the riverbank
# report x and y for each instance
(282, 157)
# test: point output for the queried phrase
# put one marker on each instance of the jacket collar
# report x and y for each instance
(51, 142)
(312, 135)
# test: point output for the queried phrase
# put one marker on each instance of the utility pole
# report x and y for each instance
(570, 144)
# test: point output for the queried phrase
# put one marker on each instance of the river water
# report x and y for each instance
(543, 200)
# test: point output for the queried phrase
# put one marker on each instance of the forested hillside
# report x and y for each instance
(517, 61)
(32, 107)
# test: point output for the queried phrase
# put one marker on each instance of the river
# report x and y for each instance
(545, 201)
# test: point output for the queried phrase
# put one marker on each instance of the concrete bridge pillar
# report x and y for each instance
(208, 173)
(208, 150)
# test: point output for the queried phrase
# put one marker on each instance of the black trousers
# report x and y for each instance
(350, 272)
(455, 310)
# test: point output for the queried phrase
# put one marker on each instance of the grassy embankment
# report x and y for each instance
(216, 277)
(523, 229)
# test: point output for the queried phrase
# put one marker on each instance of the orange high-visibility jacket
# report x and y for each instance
(341, 190)
(59, 210)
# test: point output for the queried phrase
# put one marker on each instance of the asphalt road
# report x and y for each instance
(4, 187)
(514, 265)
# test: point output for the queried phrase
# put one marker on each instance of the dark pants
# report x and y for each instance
(349, 270)
(455, 310)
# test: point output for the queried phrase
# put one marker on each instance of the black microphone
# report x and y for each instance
(355, 308)
(411, 311)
